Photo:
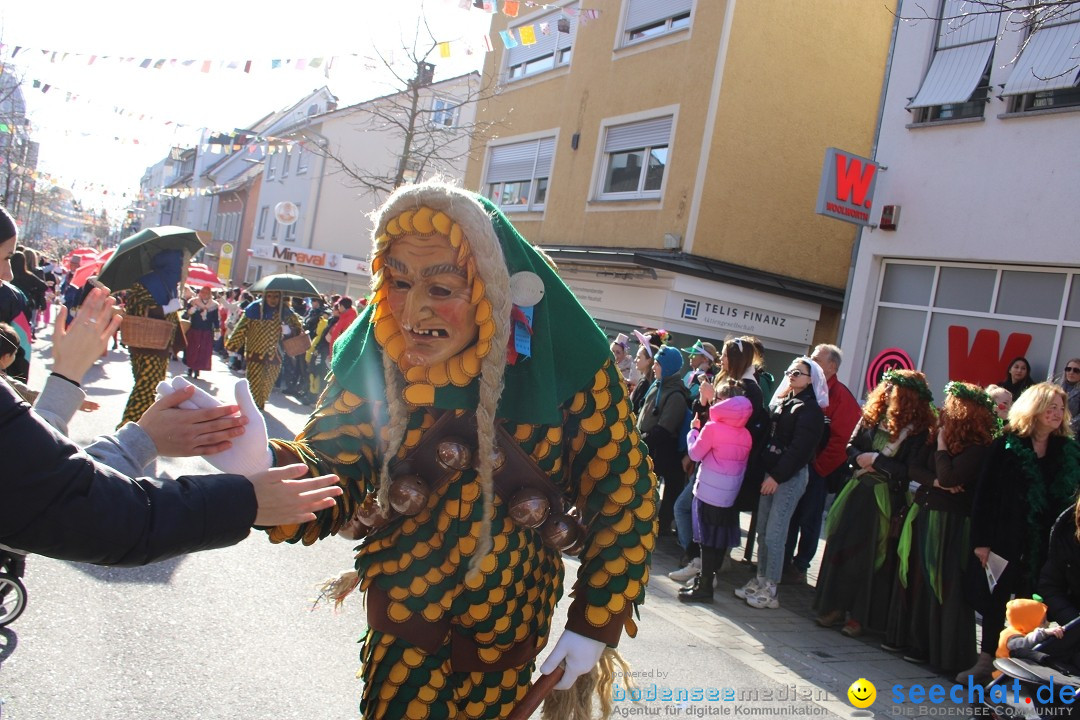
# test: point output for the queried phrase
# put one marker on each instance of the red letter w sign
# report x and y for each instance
(847, 186)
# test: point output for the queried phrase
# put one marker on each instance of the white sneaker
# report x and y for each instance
(765, 597)
(687, 573)
(748, 589)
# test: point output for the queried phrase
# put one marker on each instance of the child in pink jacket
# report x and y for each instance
(723, 448)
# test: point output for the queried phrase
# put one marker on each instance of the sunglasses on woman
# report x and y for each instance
(796, 373)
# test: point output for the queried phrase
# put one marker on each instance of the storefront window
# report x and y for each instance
(962, 288)
(1031, 294)
(907, 284)
(1072, 310)
(981, 318)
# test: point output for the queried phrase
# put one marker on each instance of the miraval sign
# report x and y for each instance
(847, 186)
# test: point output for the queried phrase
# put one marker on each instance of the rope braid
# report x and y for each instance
(479, 252)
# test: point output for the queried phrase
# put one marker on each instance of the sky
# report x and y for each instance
(93, 114)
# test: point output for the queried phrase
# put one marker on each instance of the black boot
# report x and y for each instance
(702, 589)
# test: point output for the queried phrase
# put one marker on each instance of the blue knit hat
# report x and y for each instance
(670, 359)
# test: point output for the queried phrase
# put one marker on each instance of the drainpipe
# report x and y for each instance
(322, 141)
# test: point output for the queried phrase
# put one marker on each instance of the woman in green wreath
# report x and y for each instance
(931, 620)
(863, 526)
(1030, 477)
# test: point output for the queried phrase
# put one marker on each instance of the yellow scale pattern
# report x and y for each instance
(420, 562)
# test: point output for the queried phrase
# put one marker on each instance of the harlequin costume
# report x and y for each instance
(459, 596)
(150, 296)
(258, 336)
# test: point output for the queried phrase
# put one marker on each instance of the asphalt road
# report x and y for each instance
(231, 634)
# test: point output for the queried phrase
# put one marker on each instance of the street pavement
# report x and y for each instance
(232, 633)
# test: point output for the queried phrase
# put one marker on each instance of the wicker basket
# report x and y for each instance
(296, 345)
(146, 333)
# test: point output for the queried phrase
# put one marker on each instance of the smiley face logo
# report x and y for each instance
(862, 693)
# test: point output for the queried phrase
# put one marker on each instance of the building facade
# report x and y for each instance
(667, 155)
(979, 134)
(341, 169)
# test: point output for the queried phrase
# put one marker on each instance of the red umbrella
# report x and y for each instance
(89, 267)
(83, 254)
(200, 275)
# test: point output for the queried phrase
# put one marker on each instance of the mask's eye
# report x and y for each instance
(438, 291)
(399, 284)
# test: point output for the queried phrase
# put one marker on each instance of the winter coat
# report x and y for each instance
(1059, 582)
(56, 501)
(843, 413)
(797, 424)
(723, 448)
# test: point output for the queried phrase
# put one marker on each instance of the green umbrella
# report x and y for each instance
(133, 255)
(286, 284)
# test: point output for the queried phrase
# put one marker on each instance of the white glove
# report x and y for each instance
(171, 306)
(286, 331)
(250, 453)
(577, 653)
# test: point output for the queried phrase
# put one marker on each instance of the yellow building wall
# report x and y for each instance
(793, 84)
(800, 77)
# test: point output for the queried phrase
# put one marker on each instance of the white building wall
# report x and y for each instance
(999, 191)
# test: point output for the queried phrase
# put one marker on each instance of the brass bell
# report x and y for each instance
(529, 508)
(561, 532)
(368, 513)
(453, 454)
(409, 494)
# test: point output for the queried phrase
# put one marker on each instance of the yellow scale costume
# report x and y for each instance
(148, 366)
(454, 629)
(259, 338)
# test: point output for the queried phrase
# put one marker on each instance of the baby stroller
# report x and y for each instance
(1031, 689)
(12, 590)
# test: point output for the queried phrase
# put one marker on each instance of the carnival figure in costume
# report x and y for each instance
(480, 426)
(258, 335)
(154, 295)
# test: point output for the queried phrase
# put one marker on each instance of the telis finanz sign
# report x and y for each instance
(847, 187)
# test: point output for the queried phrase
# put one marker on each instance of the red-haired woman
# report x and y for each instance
(933, 620)
(862, 528)
(1031, 476)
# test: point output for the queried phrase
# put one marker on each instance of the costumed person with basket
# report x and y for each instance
(153, 296)
(481, 428)
(258, 335)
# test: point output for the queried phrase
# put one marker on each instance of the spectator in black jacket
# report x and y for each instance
(797, 423)
(56, 501)
(13, 303)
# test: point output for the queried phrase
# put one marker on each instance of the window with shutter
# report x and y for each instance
(635, 158)
(517, 174)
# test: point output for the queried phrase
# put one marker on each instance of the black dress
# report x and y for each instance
(862, 532)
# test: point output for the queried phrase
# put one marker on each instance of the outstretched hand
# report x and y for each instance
(285, 500)
(78, 346)
(182, 432)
